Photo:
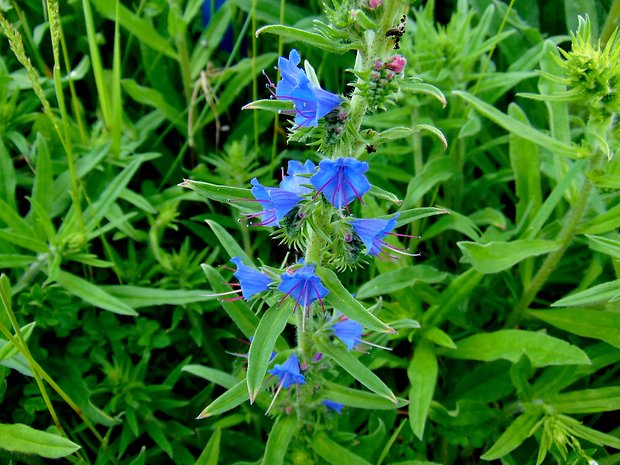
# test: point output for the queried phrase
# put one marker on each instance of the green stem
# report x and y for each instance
(564, 239)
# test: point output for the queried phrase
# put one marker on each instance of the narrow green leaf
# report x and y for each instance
(439, 337)
(385, 195)
(232, 398)
(515, 126)
(278, 440)
(93, 294)
(601, 224)
(603, 325)
(510, 344)
(136, 296)
(494, 257)
(136, 26)
(238, 310)
(7, 174)
(518, 431)
(24, 241)
(269, 328)
(601, 244)
(16, 261)
(153, 98)
(603, 399)
(434, 131)
(599, 294)
(414, 214)
(274, 105)
(402, 278)
(424, 88)
(7, 349)
(451, 297)
(344, 302)
(211, 453)
(422, 373)
(229, 242)
(26, 440)
(590, 434)
(333, 453)
(356, 369)
(358, 399)
(211, 374)
(299, 35)
(435, 171)
(43, 191)
(14, 220)
(235, 196)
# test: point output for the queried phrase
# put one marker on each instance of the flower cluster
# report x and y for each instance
(380, 85)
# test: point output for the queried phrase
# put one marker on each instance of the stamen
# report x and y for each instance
(275, 396)
(236, 291)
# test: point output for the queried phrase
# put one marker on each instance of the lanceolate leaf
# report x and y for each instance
(299, 35)
(358, 398)
(603, 325)
(518, 431)
(341, 299)
(600, 294)
(211, 453)
(26, 440)
(510, 344)
(235, 396)
(422, 374)
(598, 400)
(498, 256)
(269, 328)
(229, 243)
(278, 440)
(235, 196)
(333, 453)
(356, 369)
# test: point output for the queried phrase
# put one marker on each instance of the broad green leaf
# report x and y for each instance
(344, 302)
(603, 325)
(136, 296)
(518, 431)
(435, 171)
(229, 242)
(211, 453)
(422, 373)
(93, 294)
(137, 26)
(275, 105)
(402, 278)
(7, 349)
(439, 337)
(599, 294)
(237, 310)
(603, 399)
(356, 369)
(359, 399)
(26, 440)
(494, 257)
(299, 35)
(278, 440)
(518, 128)
(333, 453)
(524, 160)
(211, 374)
(269, 328)
(511, 344)
(453, 222)
(232, 398)
(235, 196)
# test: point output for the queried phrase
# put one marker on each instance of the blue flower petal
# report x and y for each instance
(348, 331)
(304, 286)
(288, 373)
(332, 405)
(294, 183)
(373, 231)
(252, 281)
(341, 181)
(276, 202)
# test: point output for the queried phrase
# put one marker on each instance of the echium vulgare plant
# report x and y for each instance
(312, 210)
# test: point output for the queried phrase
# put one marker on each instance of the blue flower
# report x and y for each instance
(252, 281)
(372, 233)
(348, 331)
(341, 181)
(292, 182)
(332, 405)
(276, 203)
(288, 373)
(310, 101)
(304, 286)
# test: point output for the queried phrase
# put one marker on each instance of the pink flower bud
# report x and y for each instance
(397, 63)
(374, 4)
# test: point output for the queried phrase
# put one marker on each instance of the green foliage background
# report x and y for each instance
(106, 106)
